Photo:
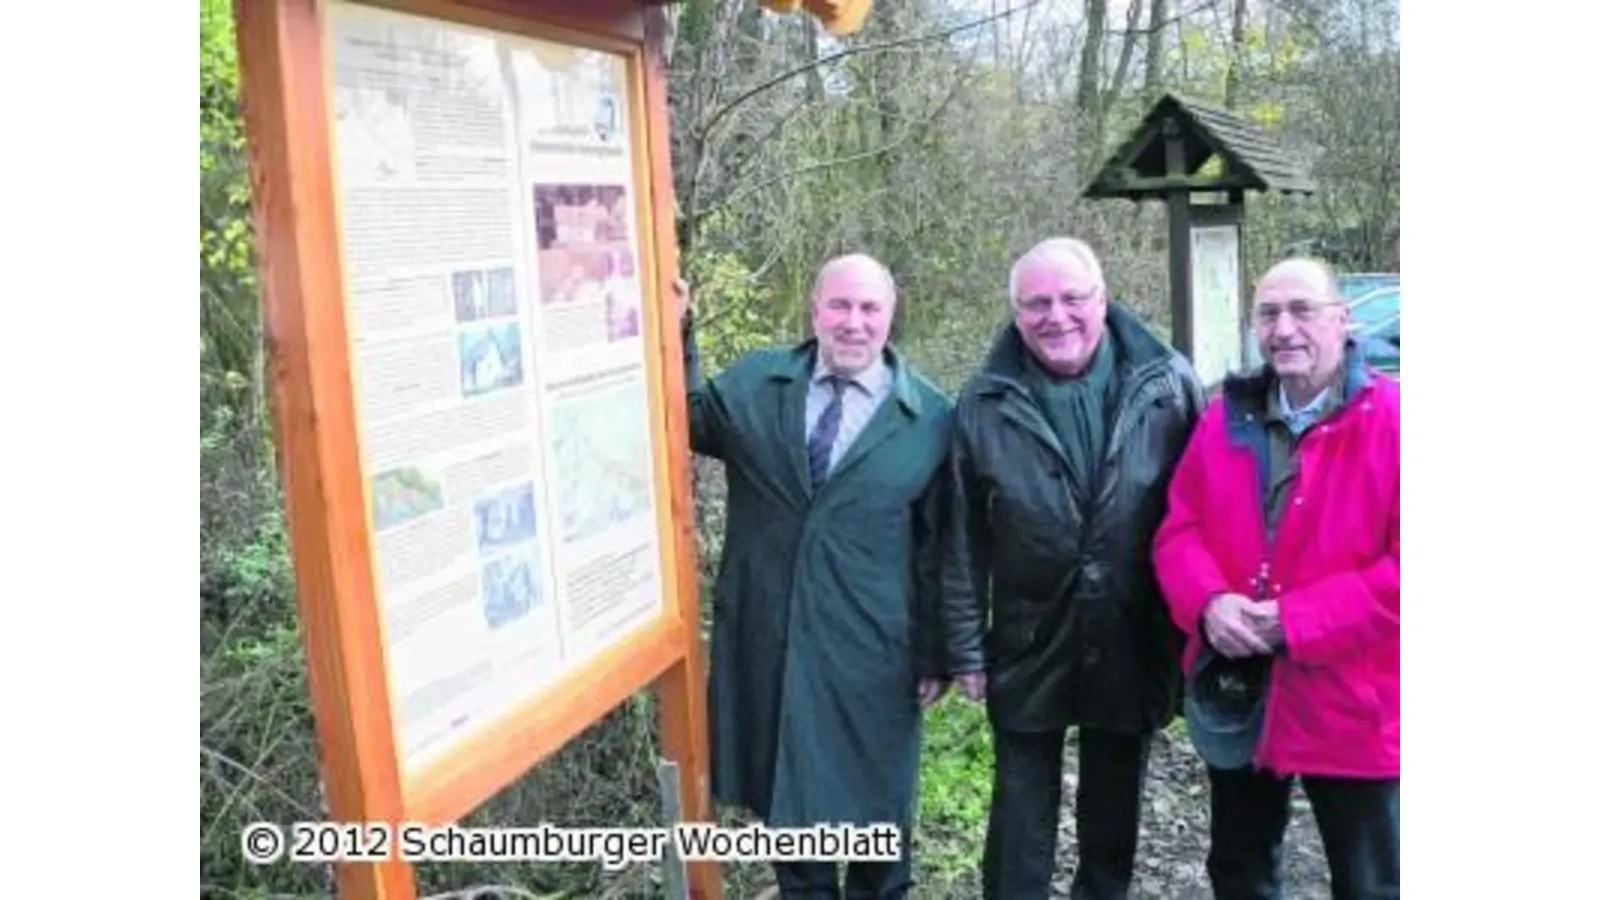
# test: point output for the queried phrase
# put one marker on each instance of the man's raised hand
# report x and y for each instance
(680, 292)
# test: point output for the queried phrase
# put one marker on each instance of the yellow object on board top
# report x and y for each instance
(839, 17)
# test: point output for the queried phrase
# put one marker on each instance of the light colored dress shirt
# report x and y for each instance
(863, 394)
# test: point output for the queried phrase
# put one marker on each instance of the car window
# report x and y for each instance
(1353, 286)
(1375, 307)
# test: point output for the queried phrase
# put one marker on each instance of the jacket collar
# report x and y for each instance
(1246, 392)
(1137, 346)
(799, 362)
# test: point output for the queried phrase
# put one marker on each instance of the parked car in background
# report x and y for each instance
(1381, 342)
(1375, 320)
(1374, 307)
(1356, 284)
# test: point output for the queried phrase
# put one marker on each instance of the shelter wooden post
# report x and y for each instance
(430, 177)
(1179, 260)
(1201, 160)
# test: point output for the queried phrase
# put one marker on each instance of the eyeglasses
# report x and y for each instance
(1298, 310)
(1040, 304)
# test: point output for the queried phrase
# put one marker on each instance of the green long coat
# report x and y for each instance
(825, 606)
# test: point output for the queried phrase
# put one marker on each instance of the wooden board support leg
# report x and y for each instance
(681, 690)
(284, 79)
(684, 734)
(671, 814)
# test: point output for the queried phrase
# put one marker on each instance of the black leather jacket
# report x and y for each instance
(1079, 633)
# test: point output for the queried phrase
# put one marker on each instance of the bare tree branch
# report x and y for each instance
(915, 130)
(1152, 27)
(837, 55)
(250, 773)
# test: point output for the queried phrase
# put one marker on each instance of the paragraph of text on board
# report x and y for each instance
(321, 842)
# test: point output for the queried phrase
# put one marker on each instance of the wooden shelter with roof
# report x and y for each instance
(1201, 160)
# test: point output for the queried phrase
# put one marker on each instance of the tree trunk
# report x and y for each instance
(1089, 70)
(1230, 90)
(1153, 50)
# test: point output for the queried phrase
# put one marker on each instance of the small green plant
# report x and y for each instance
(957, 771)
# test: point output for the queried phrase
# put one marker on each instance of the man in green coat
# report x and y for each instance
(825, 642)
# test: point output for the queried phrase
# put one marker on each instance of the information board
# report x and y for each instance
(492, 262)
(463, 209)
(1215, 288)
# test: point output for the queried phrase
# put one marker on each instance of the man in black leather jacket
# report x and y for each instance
(1064, 444)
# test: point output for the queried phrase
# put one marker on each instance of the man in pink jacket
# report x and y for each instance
(1279, 556)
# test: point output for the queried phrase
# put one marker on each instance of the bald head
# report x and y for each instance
(852, 268)
(1310, 275)
(852, 310)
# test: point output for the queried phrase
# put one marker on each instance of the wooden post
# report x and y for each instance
(685, 734)
(283, 80)
(671, 814)
(1179, 268)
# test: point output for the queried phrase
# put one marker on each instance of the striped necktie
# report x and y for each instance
(819, 449)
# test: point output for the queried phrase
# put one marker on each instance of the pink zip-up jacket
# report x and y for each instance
(1333, 707)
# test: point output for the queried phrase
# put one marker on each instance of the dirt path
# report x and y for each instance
(1172, 842)
(1173, 834)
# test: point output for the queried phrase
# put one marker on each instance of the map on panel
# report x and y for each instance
(602, 461)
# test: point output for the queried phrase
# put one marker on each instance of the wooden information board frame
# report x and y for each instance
(287, 90)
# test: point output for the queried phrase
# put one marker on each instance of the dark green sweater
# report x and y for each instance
(1078, 409)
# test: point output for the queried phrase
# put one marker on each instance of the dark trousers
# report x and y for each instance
(1019, 855)
(1359, 821)
(862, 880)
